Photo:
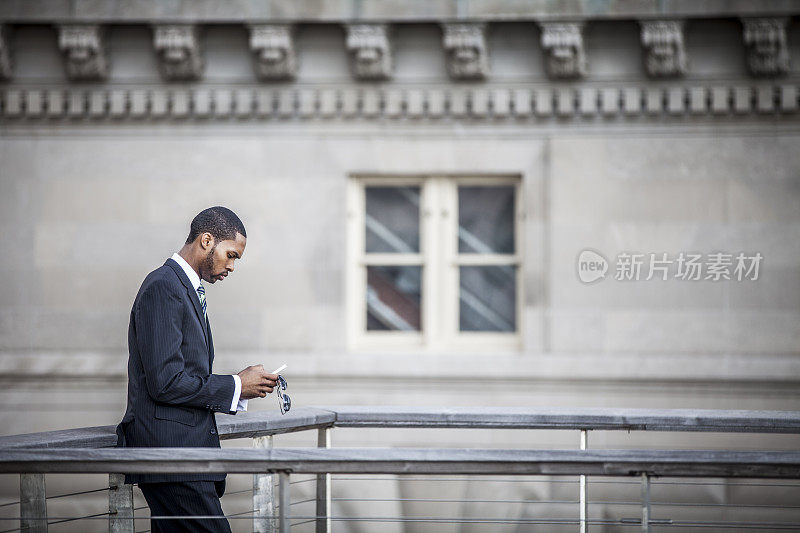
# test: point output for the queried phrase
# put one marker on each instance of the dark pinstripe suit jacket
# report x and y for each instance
(172, 394)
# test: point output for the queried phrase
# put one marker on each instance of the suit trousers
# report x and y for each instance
(186, 498)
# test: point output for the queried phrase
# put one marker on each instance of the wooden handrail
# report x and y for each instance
(263, 423)
(702, 463)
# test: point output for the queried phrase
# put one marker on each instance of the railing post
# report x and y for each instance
(263, 495)
(584, 502)
(32, 503)
(324, 487)
(284, 501)
(645, 503)
(120, 505)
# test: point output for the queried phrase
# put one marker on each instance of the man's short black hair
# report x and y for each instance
(220, 222)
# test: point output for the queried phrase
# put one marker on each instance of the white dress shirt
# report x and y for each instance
(237, 404)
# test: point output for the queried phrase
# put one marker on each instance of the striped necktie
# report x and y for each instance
(201, 292)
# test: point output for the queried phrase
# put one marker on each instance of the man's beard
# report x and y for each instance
(207, 266)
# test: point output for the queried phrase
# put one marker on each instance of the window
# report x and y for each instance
(434, 263)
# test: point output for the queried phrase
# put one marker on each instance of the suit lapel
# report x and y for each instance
(193, 297)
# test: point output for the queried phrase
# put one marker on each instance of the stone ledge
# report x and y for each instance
(601, 367)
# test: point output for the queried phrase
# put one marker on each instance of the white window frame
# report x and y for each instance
(440, 262)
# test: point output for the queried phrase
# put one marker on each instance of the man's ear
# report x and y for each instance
(206, 241)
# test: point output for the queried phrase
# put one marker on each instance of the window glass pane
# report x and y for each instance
(487, 298)
(486, 220)
(394, 297)
(392, 220)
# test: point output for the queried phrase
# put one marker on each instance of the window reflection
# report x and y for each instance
(487, 298)
(486, 220)
(394, 298)
(392, 219)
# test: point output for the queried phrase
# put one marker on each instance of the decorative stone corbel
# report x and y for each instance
(370, 51)
(563, 45)
(664, 52)
(84, 51)
(765, 40)
(178, 50)
(5, 53)
(273, 51)
(465, 46)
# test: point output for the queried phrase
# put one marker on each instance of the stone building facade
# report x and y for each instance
(427, 189)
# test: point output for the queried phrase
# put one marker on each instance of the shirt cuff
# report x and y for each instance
(237, 391)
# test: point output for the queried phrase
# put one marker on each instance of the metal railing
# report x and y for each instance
(88, 450)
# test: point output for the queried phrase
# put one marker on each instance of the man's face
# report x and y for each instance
(218, 262)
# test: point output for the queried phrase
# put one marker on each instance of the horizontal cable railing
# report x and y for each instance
(415, 461)
(90, 450)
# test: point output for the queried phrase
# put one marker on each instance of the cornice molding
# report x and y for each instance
(374, 11)
(476, 102)
(179, 48)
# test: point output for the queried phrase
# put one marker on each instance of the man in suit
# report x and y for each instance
(172, 394)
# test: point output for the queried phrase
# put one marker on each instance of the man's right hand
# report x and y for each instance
(256, 382)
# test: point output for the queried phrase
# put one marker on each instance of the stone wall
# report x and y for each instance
(658, 134)
(100, 178)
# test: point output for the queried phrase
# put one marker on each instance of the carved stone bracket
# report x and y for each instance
(84, 51)
(5, 53)
(765, 40)
(273, 51)
(563, 45)
(178, 50)
(465, 46)
(664, 52)
(370, 51)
